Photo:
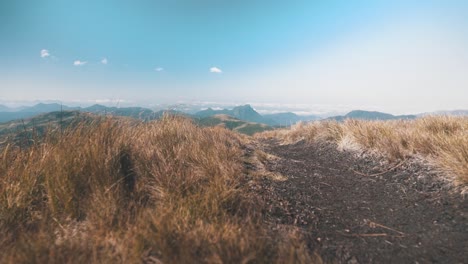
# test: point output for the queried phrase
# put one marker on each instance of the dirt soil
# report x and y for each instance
(355, 209)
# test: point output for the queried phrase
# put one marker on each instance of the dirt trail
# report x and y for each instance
(404, 215)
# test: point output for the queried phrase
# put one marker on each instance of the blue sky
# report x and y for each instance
(385, 55)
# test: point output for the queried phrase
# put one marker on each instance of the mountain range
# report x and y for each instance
(8, 114)
(245, 113)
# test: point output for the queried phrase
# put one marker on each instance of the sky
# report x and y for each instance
(395, 56)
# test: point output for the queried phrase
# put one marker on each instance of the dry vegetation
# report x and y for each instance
(118, 190)
(125, 191)
(440, 140)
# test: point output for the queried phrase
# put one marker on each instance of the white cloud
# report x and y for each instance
(104, 61)
(159, 69)
(45, 53)
(79, 63)
(215, 70)
(107, 101)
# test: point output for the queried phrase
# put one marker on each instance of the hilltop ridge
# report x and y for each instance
(370, 115)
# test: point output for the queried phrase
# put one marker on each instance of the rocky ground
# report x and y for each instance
(355, 209)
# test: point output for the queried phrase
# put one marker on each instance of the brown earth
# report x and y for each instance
(354, 209)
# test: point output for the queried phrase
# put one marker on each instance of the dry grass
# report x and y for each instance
(442, 140)
(123, 191)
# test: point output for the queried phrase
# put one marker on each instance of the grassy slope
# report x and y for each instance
(118, 190)
(442, 140)
(25, 131)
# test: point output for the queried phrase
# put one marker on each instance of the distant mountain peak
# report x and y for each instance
(246, 106)
(245, 110)
(370, 115)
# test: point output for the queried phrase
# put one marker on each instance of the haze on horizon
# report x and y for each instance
(394, 56)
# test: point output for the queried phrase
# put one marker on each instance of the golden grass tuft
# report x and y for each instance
(442, 140)
(117, 190)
